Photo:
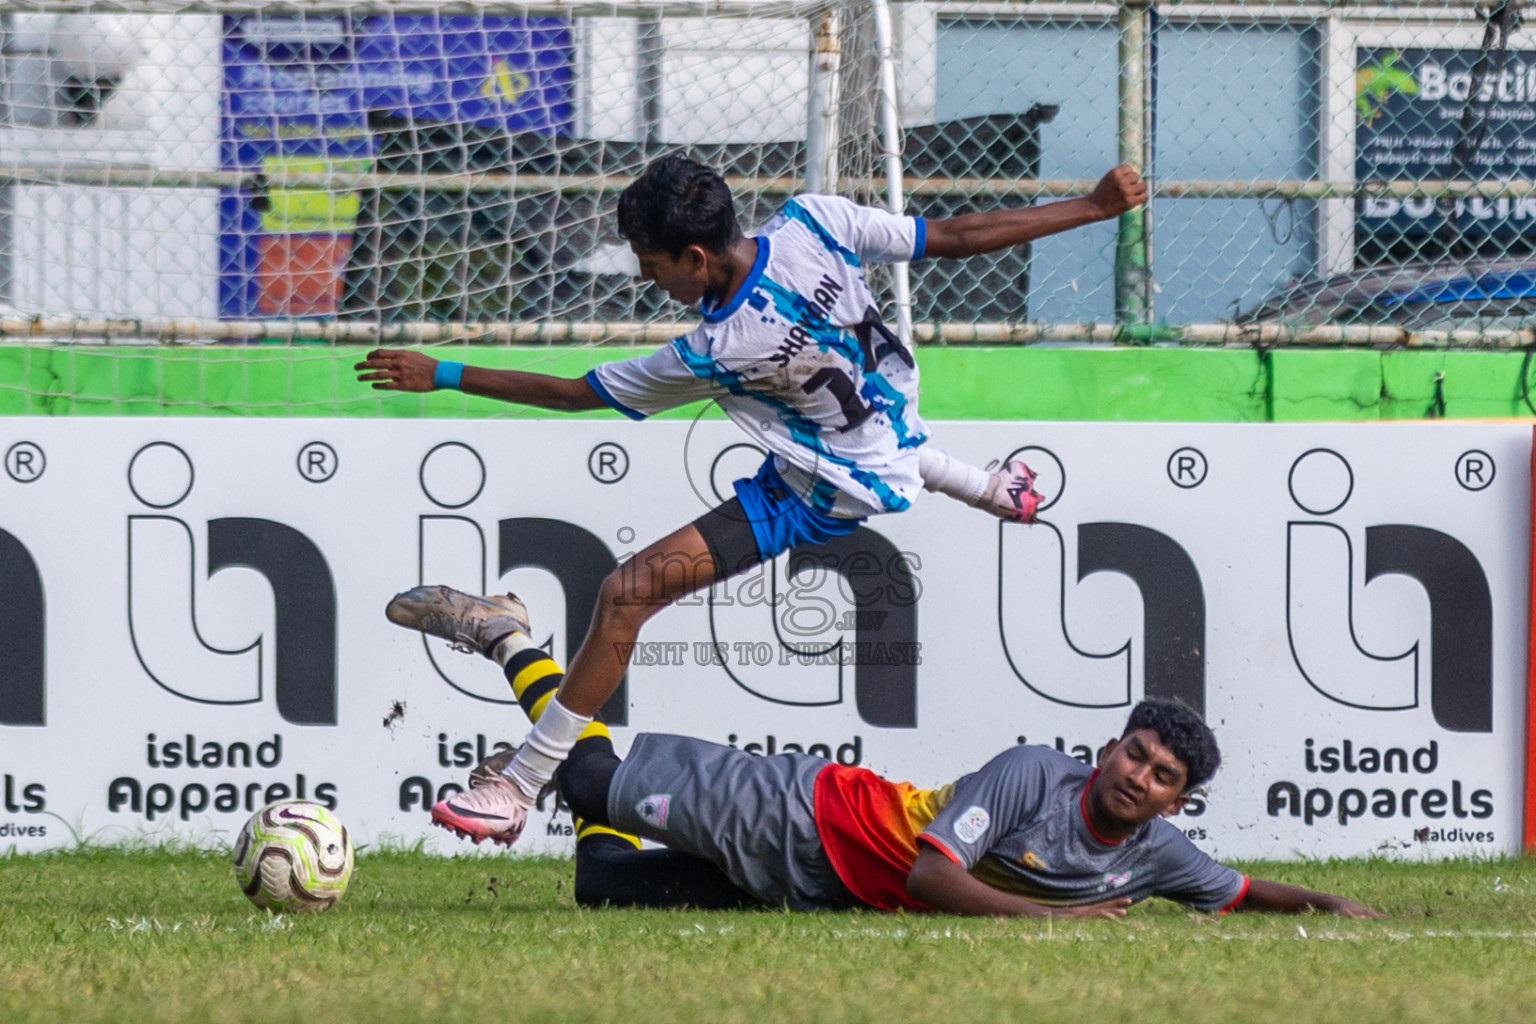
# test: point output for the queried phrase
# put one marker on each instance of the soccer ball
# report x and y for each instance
(293, 856)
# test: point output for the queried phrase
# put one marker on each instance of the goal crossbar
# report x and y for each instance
(144, 176)
(692, 8)
(366, 332)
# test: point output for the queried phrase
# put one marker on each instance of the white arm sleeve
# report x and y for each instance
(877, 236)
(653, 383)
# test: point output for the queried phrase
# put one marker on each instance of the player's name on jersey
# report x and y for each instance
(813, 316)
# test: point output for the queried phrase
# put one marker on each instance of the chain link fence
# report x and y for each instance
(1330, 173)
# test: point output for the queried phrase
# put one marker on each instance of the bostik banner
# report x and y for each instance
(1409, 108)
(193, 625)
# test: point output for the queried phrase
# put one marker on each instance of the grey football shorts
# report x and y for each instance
(751, 816)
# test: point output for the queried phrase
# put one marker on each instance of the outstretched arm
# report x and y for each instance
(947, 887)
(969, 234)
(405, 370)
(1275, 898)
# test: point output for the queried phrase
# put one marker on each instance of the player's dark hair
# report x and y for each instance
(677, 202)
(1183, 731)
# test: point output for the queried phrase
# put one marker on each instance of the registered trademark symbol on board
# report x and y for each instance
(1187, 468)
(608, 463)
(1474, 470)
(25, 462)
(318, 462)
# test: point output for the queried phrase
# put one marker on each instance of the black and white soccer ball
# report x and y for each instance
(293, 857)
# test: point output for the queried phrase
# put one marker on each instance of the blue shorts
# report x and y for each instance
(780, 518)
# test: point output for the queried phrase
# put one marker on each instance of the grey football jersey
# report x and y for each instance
(1018, 824)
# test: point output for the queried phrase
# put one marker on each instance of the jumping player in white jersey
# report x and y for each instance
(793, 349)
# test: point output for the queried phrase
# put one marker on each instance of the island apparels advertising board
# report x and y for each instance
(193, 618)
(298, 95)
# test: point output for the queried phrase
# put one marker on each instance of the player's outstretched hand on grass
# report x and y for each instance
(1109, 908)
(393, 369)
(1349, 908)
(1278, 898)
(1120, 190)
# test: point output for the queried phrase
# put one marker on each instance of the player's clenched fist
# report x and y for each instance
(393, 369)
(1120, 190)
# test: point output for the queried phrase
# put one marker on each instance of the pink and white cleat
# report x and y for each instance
(496, 810)
(1010, 493)
(491, 769)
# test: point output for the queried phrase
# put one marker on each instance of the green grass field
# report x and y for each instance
(102, 935)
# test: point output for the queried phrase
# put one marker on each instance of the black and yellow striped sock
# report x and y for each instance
(587, 830)
(535, 677)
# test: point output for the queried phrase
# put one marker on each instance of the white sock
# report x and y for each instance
(508, 646)
(546, 748)
(946, 474)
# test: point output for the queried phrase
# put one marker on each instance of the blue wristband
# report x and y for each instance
(447, 375)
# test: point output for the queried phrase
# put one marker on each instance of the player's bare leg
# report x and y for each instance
(497, 809)
(674, 566)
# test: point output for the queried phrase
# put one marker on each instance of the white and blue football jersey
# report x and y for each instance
(800, 359)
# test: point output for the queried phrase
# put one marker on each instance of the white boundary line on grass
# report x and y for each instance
(279, 922)
(1138, 934)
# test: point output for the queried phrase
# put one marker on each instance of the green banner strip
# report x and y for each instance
(1134, 384)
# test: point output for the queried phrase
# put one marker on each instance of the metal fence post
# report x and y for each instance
(1131, 272)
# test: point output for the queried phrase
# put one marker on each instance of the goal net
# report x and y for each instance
(360, 172)
(425, 170)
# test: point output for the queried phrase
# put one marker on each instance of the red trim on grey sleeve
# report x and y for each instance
(946, 851)
(1241, 893)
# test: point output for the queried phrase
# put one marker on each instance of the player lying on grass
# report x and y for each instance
(794, 351)
(1033, 832)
